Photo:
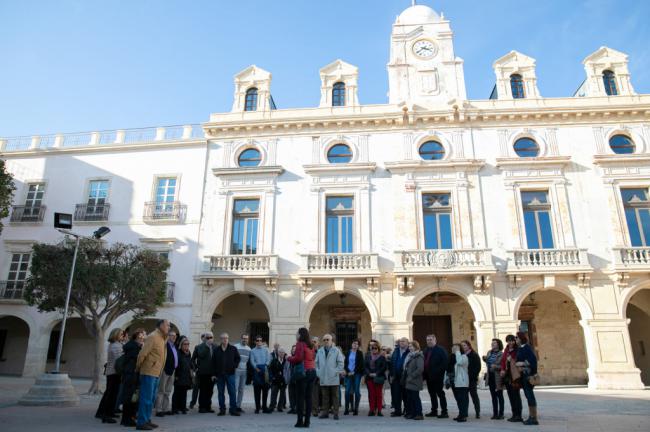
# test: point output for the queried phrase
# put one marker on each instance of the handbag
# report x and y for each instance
(379, 379)
(298, 372)
(534, 380)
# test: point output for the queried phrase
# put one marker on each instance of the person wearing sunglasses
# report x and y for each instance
(204, 367)
(329, 368)
(375, 373)
(259, 360)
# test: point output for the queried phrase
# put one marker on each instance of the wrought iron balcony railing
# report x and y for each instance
(164, 211)
(92, 212)
(27, 213)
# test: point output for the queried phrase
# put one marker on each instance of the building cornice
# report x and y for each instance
(421, 165)
(621, 159)
(543, 161)
(318, 169)
(240, 171)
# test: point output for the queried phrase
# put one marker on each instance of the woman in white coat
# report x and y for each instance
(461, 382)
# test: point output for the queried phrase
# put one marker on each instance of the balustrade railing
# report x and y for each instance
(341, 262)
(549, 258)
(243, 263)
(122, 136)
(443, 259)
(634, 256)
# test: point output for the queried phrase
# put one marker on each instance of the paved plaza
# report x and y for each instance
(561, 409)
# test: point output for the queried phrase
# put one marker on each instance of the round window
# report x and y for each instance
(432, 150)
(249, 158)
(339, 153)
(526, 147)
(621, 144)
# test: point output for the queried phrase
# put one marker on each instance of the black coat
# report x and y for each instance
(169, 359)
(183, 373)
(474, 366)
(276, 371)
(438, 360)
(129, 376)
(380, 368)
(225, 362)
(202, 359)
(359, 364)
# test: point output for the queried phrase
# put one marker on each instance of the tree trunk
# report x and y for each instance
(98, 367)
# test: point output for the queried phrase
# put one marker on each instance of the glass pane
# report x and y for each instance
(237, 236)
(430, 231)
(532, 242)
(621, 144)
(340, 203)
(432, 150)
(332, 235)
(644, 216)
(526, 147)
(251, 236)
(445, 230)
(633, 227)
(346, 239)
(435, 200)
(634, 195)
(545, 229)
(534, 197)
(340, 153)
(249, 157)
(247, 206)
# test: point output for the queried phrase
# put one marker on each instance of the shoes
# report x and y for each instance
(129, 423)
(267, 410)
(462, 420)
(209, 410)
(532, 421)
(153, 425)
(160, 414)
(356, 412)
(500, 417)
(109, 420)
(418, 418)
(280, 410)
(239, 410)
(192, 406)
(144, 427)
(118, 411)
(169, 413)
(336, 416)
(298, 424)
(346, 412)
(291, 411)
(371, 414)
(235, 413)
(222, 413)
(409, 417)
(184, 411)
(478, 415)
(514, 419)
(379, 414)
(431, 414)
(396, 414)
(257, 410)
(323, 416)
(443, 415)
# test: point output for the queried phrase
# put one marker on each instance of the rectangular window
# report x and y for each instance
(437, 221)
(537, 219)
(165, 194)
(97, 196)
(637, 215)
(340, 220)
(244, 227)
(16, 276)
(33, 201)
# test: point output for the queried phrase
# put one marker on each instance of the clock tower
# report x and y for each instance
(423, 69)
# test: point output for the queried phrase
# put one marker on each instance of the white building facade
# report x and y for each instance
(432, 213)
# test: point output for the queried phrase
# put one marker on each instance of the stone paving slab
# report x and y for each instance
(561, 409)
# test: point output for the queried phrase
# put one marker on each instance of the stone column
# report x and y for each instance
(387, 331)
(609, 352)
(36, 356)
(284, 333)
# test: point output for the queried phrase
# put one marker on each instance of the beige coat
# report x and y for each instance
(151, 359)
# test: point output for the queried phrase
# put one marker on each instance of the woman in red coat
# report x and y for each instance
(303, 375)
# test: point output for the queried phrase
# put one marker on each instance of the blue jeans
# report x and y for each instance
(148, 390)
(222, 382)
(528, 391)
(352, 387)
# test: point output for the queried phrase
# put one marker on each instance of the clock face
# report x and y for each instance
(424, 48)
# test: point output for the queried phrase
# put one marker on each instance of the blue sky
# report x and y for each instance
(82, 65)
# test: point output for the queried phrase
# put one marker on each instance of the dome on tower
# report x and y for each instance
(418, 14)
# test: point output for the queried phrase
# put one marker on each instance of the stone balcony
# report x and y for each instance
(633, 259)
(443, 262)
(549, 263)
(240, 266)
(339, 266)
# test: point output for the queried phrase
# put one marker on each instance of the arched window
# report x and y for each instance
(609, 79)
(432, 150)
(526, 147)
(621, 144)
(251, 99)
(249, 158)
(338, 94)
(517, 86)
(339, 153)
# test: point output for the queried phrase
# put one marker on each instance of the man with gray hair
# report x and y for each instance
(204, 367)
(398, 392)
(226, 359)
(241, 373)
(329, 368)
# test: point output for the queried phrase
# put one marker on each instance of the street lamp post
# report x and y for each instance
(55, 388)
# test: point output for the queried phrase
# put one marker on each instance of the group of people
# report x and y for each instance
(154, 373)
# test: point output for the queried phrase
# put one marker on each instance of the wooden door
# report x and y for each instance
(439, 325)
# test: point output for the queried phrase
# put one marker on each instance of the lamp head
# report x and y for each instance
(101, 232)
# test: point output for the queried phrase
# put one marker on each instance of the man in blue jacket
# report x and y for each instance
(397, 391)
(435, 364)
